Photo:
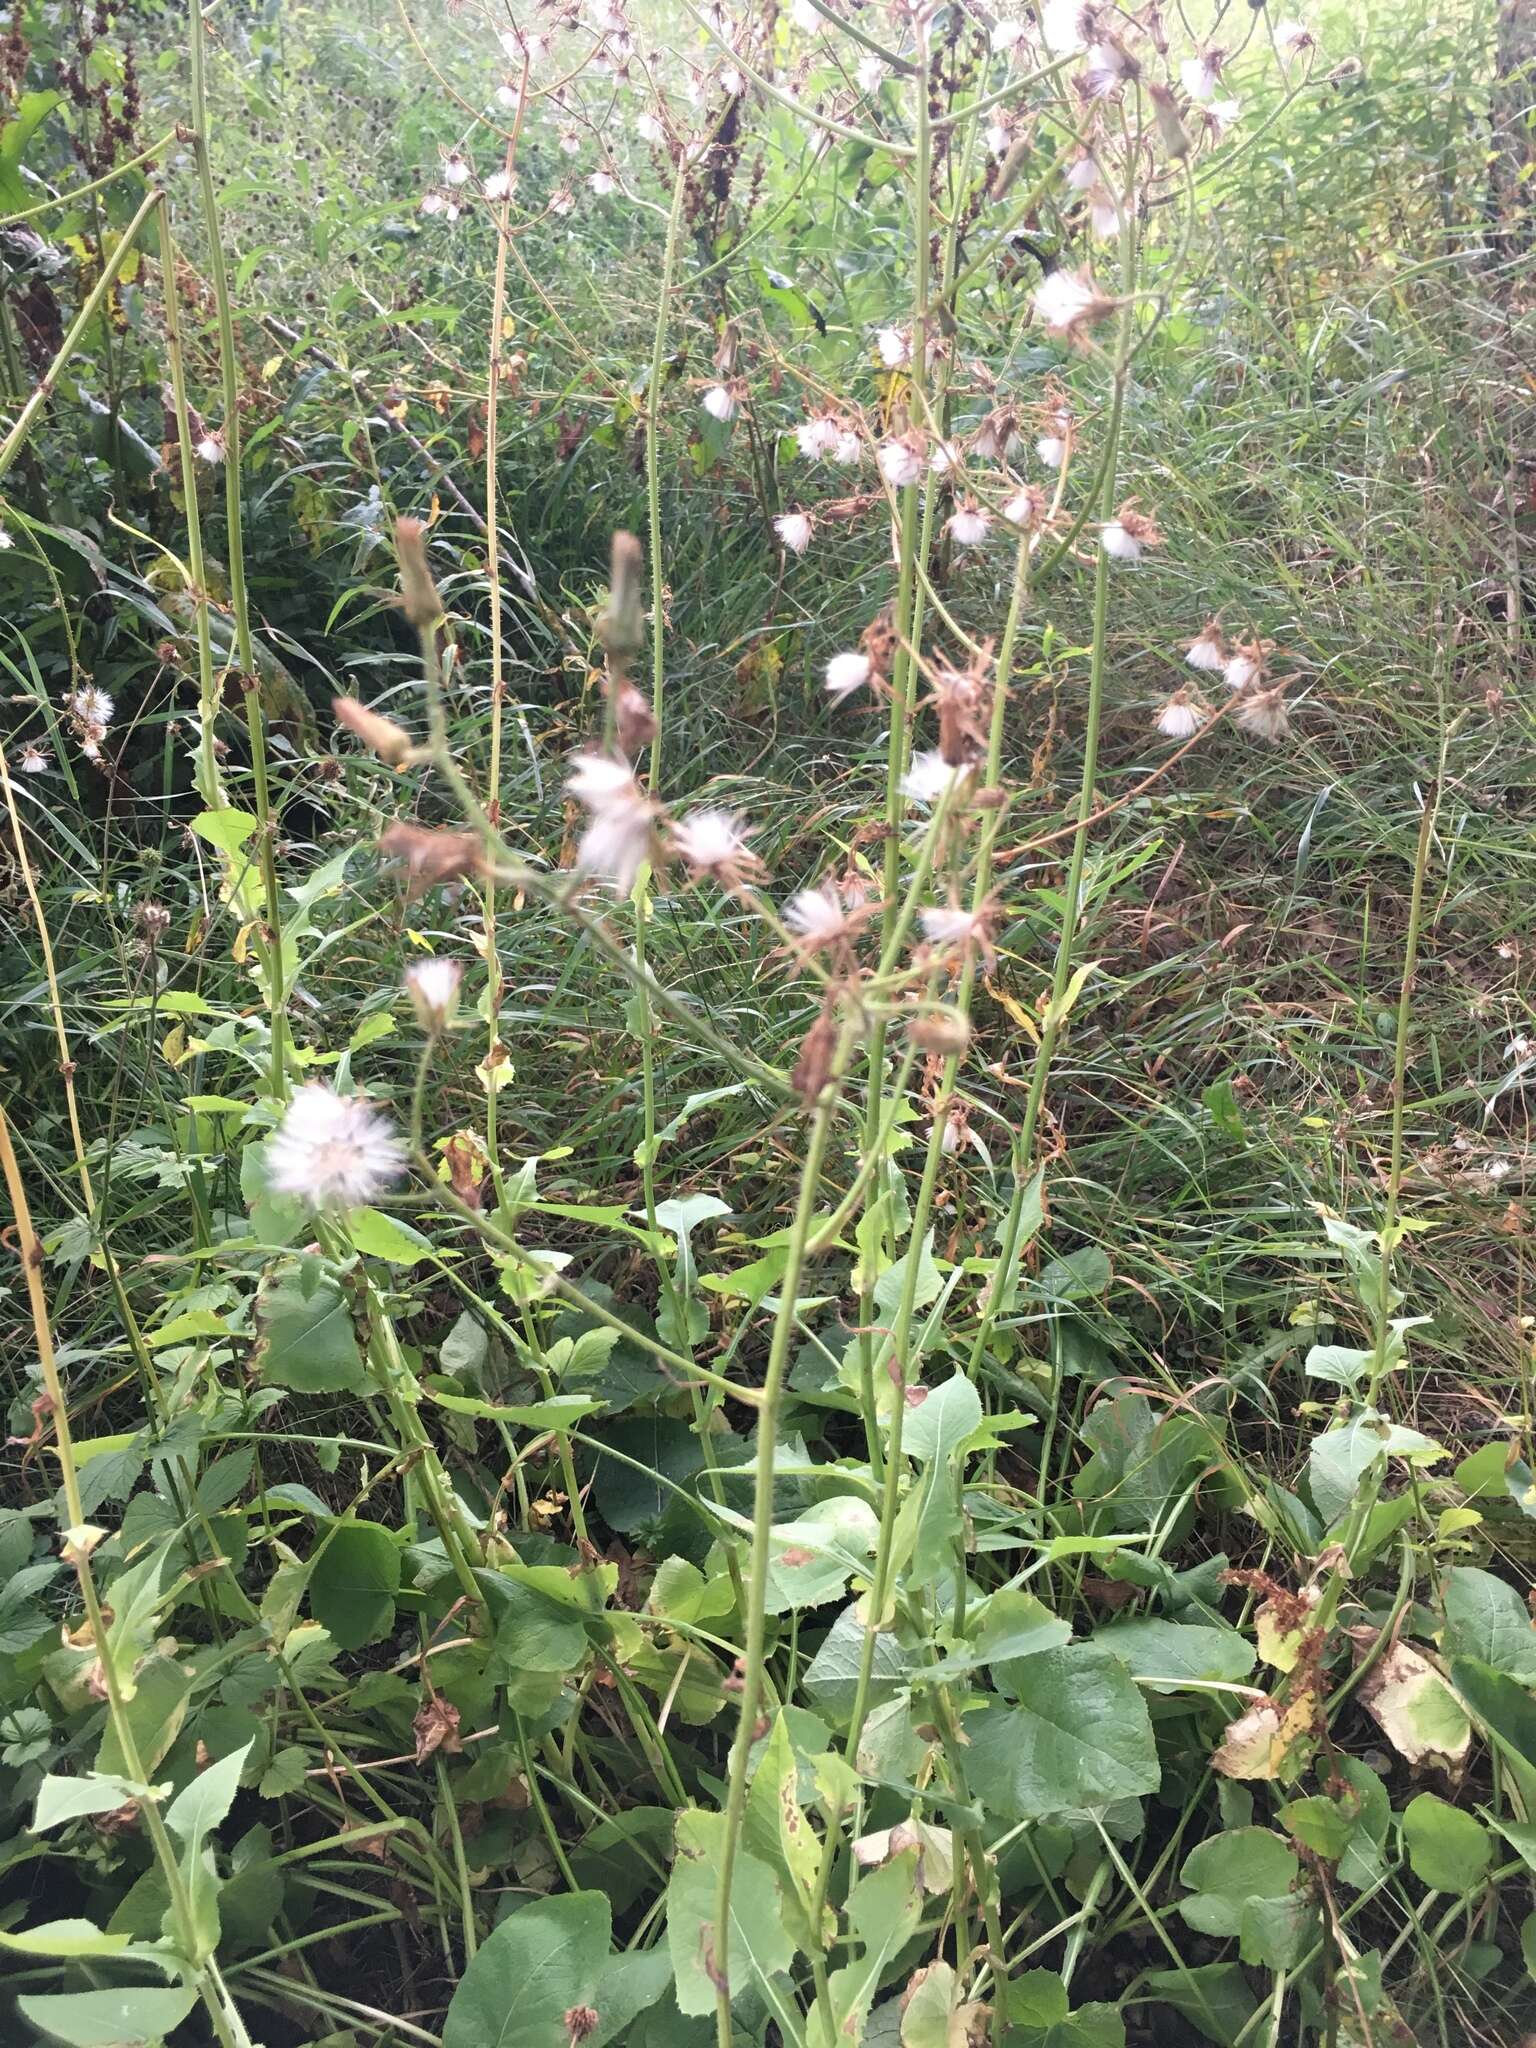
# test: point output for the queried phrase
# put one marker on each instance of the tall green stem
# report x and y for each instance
(271, 939)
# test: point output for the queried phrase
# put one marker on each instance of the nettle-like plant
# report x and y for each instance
(841, 1747)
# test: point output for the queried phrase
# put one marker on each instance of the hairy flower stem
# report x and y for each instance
(503, 214)
(762, 1522)
(223, 2015)
(210, 784)
(270, 937)
(1072, 900)
(1389, 1228)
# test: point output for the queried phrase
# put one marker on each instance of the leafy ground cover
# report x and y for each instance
(766, 852)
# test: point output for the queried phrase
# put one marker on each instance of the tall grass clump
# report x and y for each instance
(765, 811)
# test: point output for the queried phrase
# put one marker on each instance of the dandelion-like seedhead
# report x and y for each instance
(333, 1151)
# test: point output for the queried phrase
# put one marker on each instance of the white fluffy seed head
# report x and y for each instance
(969, 526)
(929, 776)
(847, 673)
(332, 1150)
(720, 403)
(794, 530)
(433, 987)
(1119, 544)
(901, 461)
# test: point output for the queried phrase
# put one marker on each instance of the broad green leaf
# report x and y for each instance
(1079, 1736)
(535, 1632)
(560, 1411)
(1227, 1872)
(1041, 2016)
(1448, 1850)
(108, 2019)
(883, 1910)
(942, 1420)
(63, 1938)
(831, 1678)
(1485, 1618)
(543, 1960)
(64, 1799)
(353, 1582)
(630, 1984)
(192, 1816)
(1505, 1709)
(1167, 1654)
(154, 1715)
(759, 1949)
(778, 1833)
(310, 1344)
(227, 830)
(379, 1236)
(1215, 1998)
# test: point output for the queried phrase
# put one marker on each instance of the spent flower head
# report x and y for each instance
(333, 1150)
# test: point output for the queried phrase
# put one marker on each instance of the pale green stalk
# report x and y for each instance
(762, 1523)
(270, 940)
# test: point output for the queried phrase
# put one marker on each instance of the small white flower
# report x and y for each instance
(432, 202)
(1082, 173)
(720, 403)
(714, 842)
(1208, 651)
(732, 84)
(332, 1149)
(1118, 544)
(1065, 300)
(1180, 717)
(847, 673)
(949, 1137)
(602, 183)
(1221, 114)
(1499, 1169)
(816, 916)
(561, 202)
(89, 706)
(944, 925)
(34, 758)
(895, 346)
(1006, 34)
(451, 209)
(210, 449)
(945, 458)
(1238, 670)
(1062, 26)
(498, 186)
(618, 838)
(870, 72)
(1265, 713)
(1519, 1047)
(506, 95)
(7, 538)
(998, 138)
(1052, 450)
(849, 450)
(1103, 214)
(570, 141)
(794, 530)
(817, 437)
(433, 987)
(455, 171)
(1026, 508)
(648, 128)
(1201, 75)
(1108, 67)
(968, 526)
(1292, 37)
(929, 776)
(805, 17)
(901, 461)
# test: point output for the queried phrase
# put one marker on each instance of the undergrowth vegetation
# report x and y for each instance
(766, 847)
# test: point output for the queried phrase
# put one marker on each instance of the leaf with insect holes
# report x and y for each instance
(543, 1961)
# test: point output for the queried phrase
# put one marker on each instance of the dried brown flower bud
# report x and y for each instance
(418, 593)
(430, 857)
(391, 742)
